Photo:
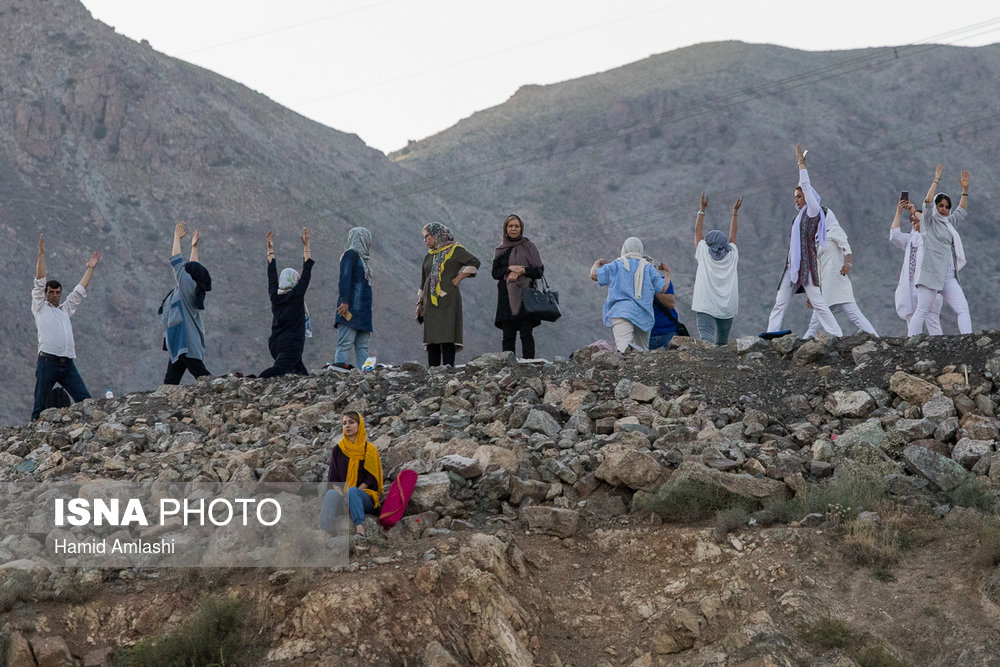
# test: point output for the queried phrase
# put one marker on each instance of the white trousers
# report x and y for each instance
(933, 319)
(853, 313)
(820, 309)
(628, 335)
(953, 296)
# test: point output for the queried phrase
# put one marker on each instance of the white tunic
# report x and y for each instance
(716, 284)
(835, 287)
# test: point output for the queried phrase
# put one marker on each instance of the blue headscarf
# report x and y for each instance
(718, 244)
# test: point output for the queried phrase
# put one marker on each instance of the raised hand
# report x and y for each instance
(270, 241)
(94, 259)
(179, 230)
(662, 266)
(41, 244)
(704, 201)
(963, 180)
(194, 239)
(305, 236)
(736, 206)
(800, 155)
(938, 171)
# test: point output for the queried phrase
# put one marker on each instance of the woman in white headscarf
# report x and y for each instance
(943, 256)
(290, 318)
(631, 281)
(912, 246)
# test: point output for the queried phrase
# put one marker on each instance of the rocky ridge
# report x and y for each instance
(535, 528)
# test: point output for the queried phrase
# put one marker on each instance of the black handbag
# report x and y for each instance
(541, 304)
(678, 325)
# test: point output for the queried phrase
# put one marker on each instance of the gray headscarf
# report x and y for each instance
(718, 244)
(359, 239)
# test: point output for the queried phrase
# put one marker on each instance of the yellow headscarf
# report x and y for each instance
(357, 450)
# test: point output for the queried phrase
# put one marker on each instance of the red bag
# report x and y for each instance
(397, 499)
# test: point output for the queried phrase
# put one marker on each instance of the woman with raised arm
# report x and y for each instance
(912, 246)
(716, 297)
(439, 301)
(290, 324)
(183, 331)
(943, 257)
(516, 263)
(632, 282)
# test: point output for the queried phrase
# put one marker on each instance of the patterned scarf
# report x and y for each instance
(444, 247)
(718, 244)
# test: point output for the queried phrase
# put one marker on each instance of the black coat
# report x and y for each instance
(500, 265)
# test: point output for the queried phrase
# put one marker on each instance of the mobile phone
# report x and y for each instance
(904, 196)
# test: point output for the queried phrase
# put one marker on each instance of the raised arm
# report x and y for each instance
(732, 223)
(699, 221)
(89, 273)
(593, 269)
(306, 253)
(931, 191)
(40, 264)
(270, 245)
(194, 245)
(179, 233)
(900, 205)
(963, 180)
(812, 203)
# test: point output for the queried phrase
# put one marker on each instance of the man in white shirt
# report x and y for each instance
(55, 332)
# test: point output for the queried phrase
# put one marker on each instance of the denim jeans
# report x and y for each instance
(49, 371)
(715, 330)
(348, 339)
(660, 340)
(359, 503)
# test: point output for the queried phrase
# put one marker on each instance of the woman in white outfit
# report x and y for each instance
(943, 256)
(912, 246)
(716, 284)
(835, 260)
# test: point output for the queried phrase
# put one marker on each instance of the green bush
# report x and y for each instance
(16, 586)
(688, 500)
(974, 496)
(827, 632)
(217, 635)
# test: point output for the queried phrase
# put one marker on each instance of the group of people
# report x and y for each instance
(639, 305)
(639, 308)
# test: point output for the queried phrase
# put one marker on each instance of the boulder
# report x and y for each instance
(849, 403)
(736, 484)
(940, 471)
(939, 407)
(629, 468)
(968, 452)
(912, 389)
(524, 489)
(551, 520)
(463, 466)
(539, 421)
(430, 491)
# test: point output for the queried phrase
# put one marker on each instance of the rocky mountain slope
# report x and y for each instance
(832, 502)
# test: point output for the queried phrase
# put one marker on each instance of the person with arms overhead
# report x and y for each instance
(290, 325)
(912, 245)
(801, 272)
(183, 331)
(716, 297)
(56, 347)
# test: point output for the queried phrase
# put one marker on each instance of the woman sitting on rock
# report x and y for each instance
(355, 463)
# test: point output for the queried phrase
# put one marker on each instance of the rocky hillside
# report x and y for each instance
(766, 503)
(626, 152)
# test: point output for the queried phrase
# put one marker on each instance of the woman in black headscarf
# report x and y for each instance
(183, 331)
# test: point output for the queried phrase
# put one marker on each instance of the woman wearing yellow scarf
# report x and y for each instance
(355, 463)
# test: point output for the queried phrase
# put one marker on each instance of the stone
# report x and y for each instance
(604, 506)
(18, 652)
(861, 353)
(912, 389)
(946, 429)
(524, 489)
(820, 469)
(642, 393)
(939, 407)
(907, 430)
(809, 352)
(323, 411)
(904, 485)
(430, 491)
(862, 442)
(435, 655)
(951, 381)
(539, 421)
(849, 404)
(99, 657)
(736, 484)
(52, 652)
(551, 520)
(940, 471)
(979, 427)
(629, 468)
(463, 466)
(746, 344)
(968, 452)
(495, 484)
(784, 344)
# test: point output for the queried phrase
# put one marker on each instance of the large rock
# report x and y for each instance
(430, 491)
(524, 489)
(736, 484)
(322, 411)
(912, 389)
(862, 442)
(539, 421)
(52, 652)
(849, 403)
(18, 652)
(907, 430)
(551, 520)
(939, 407)
(463, 466)
(940, 471)
(979, 427)
(968, 452)
(809, 352)
(629, 468)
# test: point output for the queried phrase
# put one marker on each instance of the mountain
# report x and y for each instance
(627, 152)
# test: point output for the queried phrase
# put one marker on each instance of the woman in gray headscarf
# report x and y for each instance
(354, 303)
(439, 301)
(290, 324)
(716, 284)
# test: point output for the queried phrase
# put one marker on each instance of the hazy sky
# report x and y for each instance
(394, 70)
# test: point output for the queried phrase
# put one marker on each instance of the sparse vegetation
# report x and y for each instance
(973, 495)
(728, 520)
(988, 550)
(217, 634)
(687, 500)
(828, 632)
(16, 586)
